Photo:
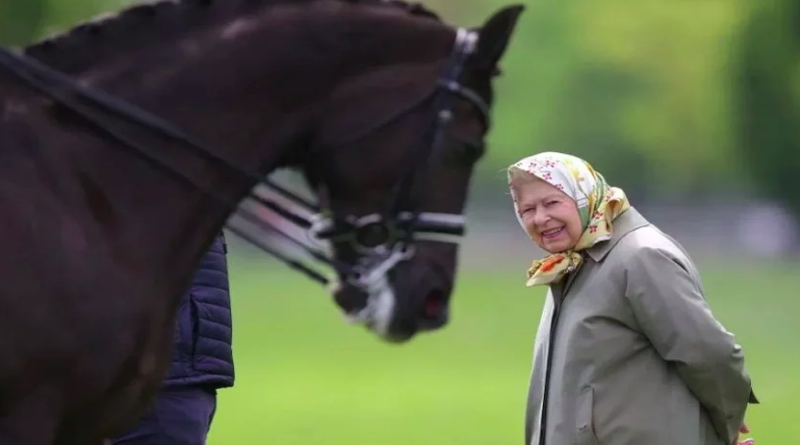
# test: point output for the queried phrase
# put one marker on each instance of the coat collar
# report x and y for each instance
(623, 225)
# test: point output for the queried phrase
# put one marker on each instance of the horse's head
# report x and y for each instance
(384, 108)
(392, 161)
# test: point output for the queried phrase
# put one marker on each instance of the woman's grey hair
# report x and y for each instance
(518, 176)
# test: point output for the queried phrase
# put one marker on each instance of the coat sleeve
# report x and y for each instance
(672, 312)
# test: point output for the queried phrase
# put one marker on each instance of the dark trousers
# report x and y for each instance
(180, 416)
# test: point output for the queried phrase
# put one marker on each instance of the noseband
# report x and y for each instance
(382, 239)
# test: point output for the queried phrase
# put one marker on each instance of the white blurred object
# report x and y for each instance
(767, 230)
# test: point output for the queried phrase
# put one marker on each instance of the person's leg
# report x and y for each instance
(180, 416)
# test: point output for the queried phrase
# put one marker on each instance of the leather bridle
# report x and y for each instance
(382, 239)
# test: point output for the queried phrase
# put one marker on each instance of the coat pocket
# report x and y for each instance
(583, 418)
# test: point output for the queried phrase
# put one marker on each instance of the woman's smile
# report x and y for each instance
(553, 234)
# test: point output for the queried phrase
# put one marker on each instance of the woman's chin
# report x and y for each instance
(556, 246)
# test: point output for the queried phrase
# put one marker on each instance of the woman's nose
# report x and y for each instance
(540, 217)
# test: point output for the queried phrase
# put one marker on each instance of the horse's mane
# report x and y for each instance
(78, 47)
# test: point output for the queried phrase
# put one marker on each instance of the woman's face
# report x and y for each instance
(550, 217)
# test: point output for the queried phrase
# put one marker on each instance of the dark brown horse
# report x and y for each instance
(107, 210)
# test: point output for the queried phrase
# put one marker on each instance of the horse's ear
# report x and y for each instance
(495, 35)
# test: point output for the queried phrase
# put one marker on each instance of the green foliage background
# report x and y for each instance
(655, 93)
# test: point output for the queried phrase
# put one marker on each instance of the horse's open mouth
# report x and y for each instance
(431, 314)
(434, 311)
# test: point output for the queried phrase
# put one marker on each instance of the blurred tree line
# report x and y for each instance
(666, 98)
(768, 95)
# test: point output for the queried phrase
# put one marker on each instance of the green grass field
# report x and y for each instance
(306, 377)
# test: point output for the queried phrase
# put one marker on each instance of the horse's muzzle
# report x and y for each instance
(412, 299)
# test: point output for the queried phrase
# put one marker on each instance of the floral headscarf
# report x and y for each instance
(598, 205)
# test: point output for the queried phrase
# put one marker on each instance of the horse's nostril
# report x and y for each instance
(350, 300)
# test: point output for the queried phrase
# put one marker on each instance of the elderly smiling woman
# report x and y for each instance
(628, 351)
